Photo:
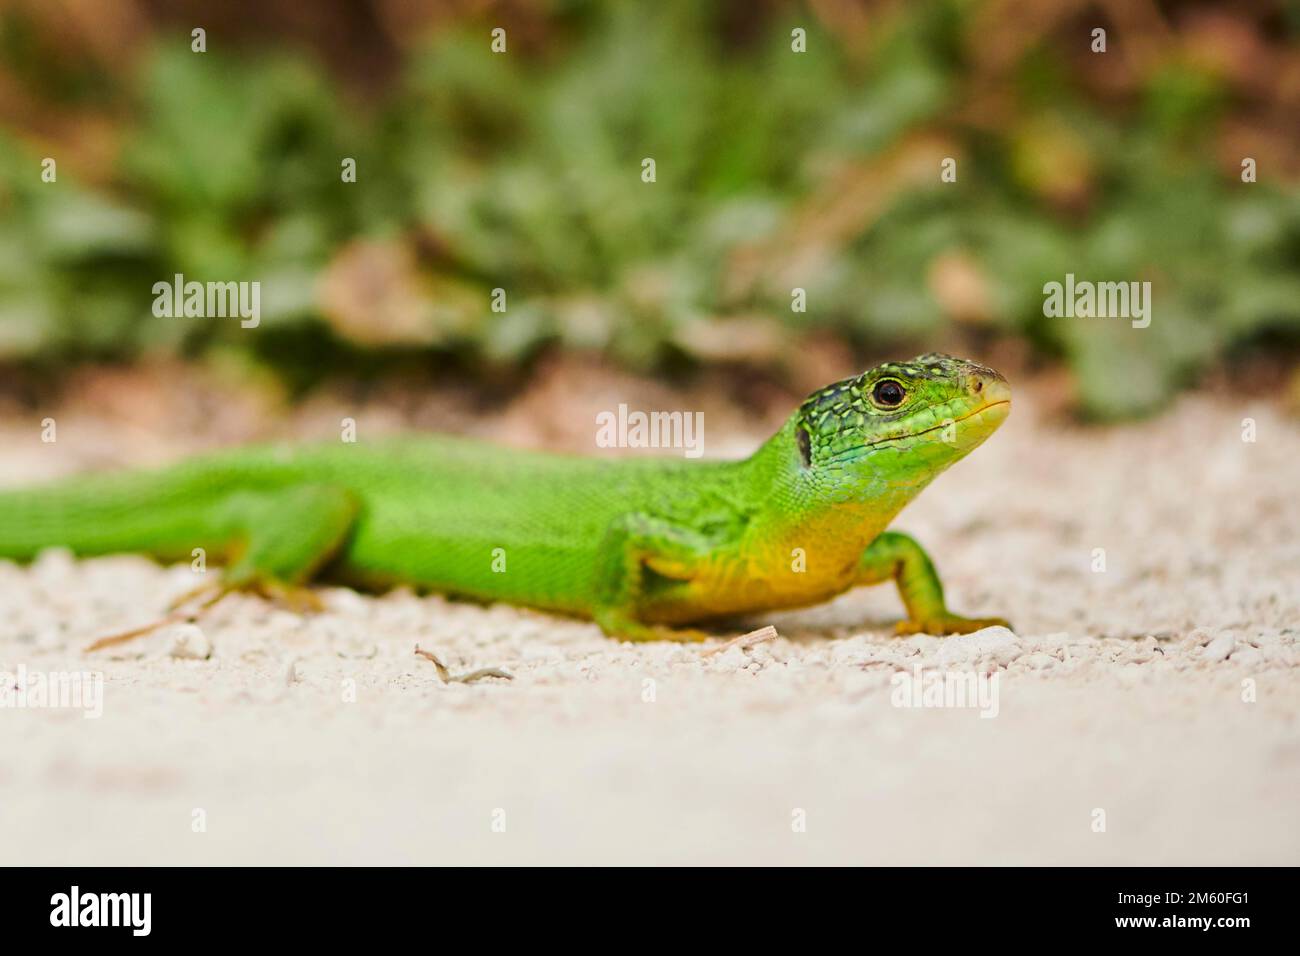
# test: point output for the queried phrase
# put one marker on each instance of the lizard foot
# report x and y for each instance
(660, 632)
(624, 628)
(292, 597)
(944, 624)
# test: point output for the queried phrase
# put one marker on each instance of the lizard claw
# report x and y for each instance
(176, 612)
(300, 600)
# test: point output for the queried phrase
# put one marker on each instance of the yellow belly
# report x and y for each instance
(794, 570)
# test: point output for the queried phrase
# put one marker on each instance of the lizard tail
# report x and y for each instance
(91, 515)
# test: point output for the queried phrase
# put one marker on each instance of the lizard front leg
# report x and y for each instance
(898, 557)
(641, 553)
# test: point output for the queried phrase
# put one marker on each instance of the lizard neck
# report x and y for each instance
(797, 518)
(838, 515)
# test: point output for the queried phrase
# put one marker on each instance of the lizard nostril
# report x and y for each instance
(979, 386)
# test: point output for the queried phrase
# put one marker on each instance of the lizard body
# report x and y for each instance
(636, 544)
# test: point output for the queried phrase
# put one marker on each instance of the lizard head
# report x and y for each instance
(896, 426)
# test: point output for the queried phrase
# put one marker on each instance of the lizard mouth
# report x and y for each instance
(1004, 404)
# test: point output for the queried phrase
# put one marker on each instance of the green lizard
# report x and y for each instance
(638, 545)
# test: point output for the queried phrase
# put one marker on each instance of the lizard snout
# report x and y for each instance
(989, 385)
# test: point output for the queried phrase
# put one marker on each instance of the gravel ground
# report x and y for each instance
(1141, 713)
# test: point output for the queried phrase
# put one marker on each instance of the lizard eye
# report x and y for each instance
(888, 393)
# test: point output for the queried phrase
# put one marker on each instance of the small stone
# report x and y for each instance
(50, 639)
(54, 562)
(1246, 655)
(1219, 648)
(347, 601)
(996, 643)
(728, 663)
(1276, 654)
(851, 652)
(1039, 661)
(187, 642)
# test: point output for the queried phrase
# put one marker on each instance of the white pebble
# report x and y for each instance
(1039, 661)
(1277, 654)
(347, 601)
(51, 639)
(730, 661)
(1246, 655)
(186, 641)
(54, 563)
(996, 643)
(1219, 648)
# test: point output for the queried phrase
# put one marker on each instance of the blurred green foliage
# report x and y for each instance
(774, 169)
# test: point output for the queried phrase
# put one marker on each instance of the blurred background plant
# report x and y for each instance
(775, 170)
